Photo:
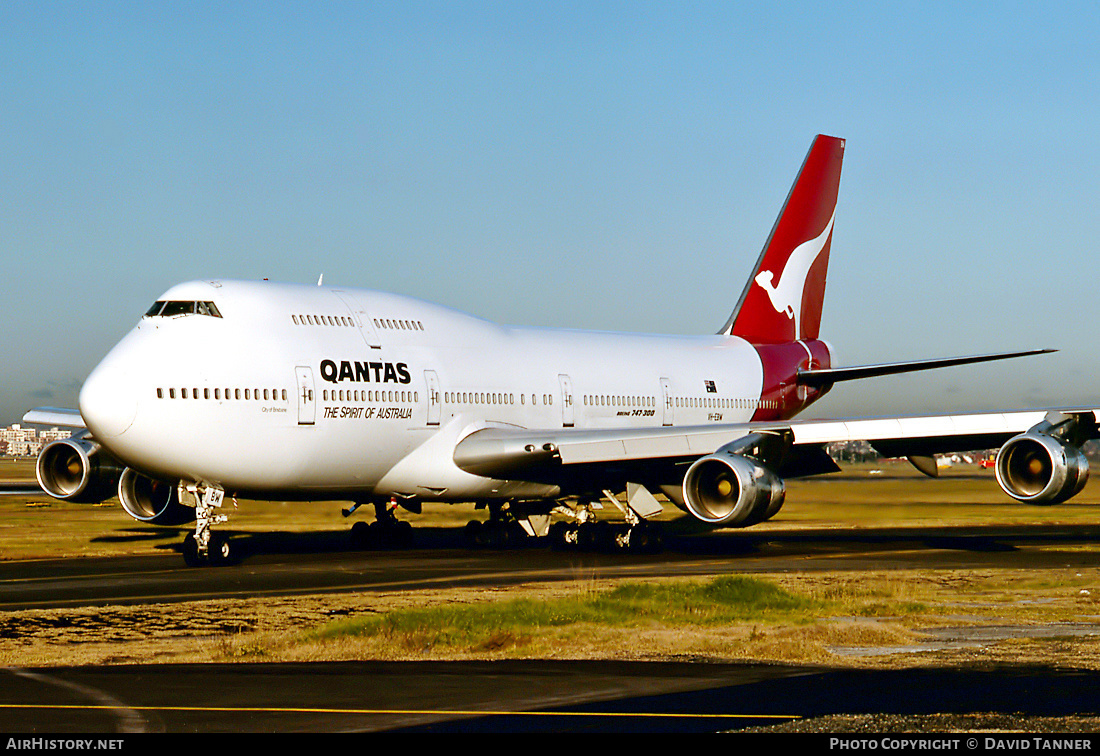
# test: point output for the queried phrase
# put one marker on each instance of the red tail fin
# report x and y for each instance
(782, 301)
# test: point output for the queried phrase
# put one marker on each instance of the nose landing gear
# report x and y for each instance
(205, 547)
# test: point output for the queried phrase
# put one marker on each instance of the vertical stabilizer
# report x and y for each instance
(782, 301)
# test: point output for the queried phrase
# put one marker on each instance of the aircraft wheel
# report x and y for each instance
(191, 551)
(558, 533)
(221, 550)
(360, 535)
(645, 538)
(588, 536)
(492, 535)
(472, 532)
(402, 534)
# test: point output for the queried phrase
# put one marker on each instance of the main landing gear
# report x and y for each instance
(512, 524)
(508, 526)
(385, 532)
(204, 547)
(585, 533)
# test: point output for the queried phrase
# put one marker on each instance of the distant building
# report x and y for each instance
(852, 451)
(17, 441)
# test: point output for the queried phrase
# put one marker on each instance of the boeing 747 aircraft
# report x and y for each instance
(292, 393)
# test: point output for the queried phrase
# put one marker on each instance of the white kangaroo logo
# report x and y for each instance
(787, 296)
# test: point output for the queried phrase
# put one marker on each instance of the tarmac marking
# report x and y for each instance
(380, 712)
(129, 721)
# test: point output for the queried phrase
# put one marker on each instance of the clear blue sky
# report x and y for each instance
(594, 165)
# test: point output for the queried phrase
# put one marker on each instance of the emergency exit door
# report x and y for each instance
(568, 412)
(434, 398)
(307, 402)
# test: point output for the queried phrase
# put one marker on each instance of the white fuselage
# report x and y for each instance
(319, 392)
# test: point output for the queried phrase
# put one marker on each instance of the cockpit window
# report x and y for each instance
(177, 308)
(207, 308)
(170, 309)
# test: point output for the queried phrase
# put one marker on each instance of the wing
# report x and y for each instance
(62, 418)
(1040, 459)
(505, 451)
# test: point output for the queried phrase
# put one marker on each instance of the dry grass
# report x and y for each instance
(851, 613)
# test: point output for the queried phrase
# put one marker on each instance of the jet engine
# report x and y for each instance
(76, 469)
(1044, 465)
(153, 501)
(732, 487)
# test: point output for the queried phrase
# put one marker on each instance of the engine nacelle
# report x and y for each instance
(1036, 468)
(152, 501)
(729, 490)
(76, 469)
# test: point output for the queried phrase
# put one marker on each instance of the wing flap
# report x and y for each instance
(585, 447)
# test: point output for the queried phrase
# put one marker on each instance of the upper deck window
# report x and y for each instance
(162, 309)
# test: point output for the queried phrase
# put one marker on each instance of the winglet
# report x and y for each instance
(782, 300)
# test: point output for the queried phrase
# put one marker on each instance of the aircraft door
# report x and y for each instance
(307, 401)
(568, 412)
(362, 319)
(666, 400)
(434, 397)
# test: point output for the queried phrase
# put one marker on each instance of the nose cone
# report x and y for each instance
(108, 399)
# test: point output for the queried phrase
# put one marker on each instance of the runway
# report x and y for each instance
(511, 696)
(20, 488)
(275, 564)
(518, 696)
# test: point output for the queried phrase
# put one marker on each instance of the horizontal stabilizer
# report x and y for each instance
(829, 376)
(62, 418)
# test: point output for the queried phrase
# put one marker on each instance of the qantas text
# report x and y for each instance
(365, 372)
